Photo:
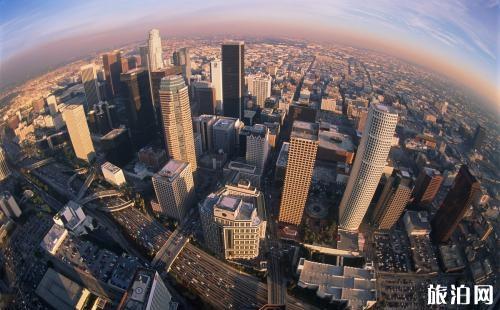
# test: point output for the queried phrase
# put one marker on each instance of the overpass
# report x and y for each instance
(99, 195)
(90, 178)
(119, 207)
(39, 164)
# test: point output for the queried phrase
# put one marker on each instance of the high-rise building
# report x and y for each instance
(479, 138)
(89, 81)
(140, 110)
(182, 58)
(224, 138)
(177, 121)
(155, 51)
(117, 147)
(223, 213)
(427, 186)
(174, 188)
(147, 292)
(257, 148)
(144, 54)
(9, 205)
(203, 125)
(78, 130)
(204, 97)
(456, 203)
(260, 88)
(4, 168)
(393, 200)
(361, 120)
(368, 166)
(112, 70)
(233, 78)
(216, 79)
(299, 169)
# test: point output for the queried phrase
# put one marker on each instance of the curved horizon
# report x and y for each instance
(454, 38)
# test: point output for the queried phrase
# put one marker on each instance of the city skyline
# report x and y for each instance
(452, 37)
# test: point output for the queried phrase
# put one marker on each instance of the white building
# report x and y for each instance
(155, 52)
(72, 217)
(260, 87)
(54, 238)
(216, 79)
(257, 148)
(9, 205)
(368, 166)
(174, 188)
(113, 174)
(231, 225)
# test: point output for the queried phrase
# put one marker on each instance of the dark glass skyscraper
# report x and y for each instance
(455, 205)
(233, 78)
(140, 106)
(113, 67)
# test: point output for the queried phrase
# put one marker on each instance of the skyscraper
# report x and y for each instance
(203, 125)
(155, 51)
(222, 214)
(458, 200)
(144, 54)
(177, 122)
(78, 130)
(427, 186)
(368, 166)
(146, 292)
(174, 188)
(392, 202)
(233, 78)
(182, 58)
(224, 131)
(4, 168)
(260, 87)
(216, 79)
(89, 80)
(301, 159)
(112, 70)
(140, 110)
(204, 97)
(9, 205)
(257, 148)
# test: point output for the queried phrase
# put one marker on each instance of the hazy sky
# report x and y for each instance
(458, 36)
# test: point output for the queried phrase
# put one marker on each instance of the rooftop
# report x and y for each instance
(305, 130)
(224, 123)
(172, 169)
(114, 133)
(110, 167)
(283, 155)
(59, 291)
(172, 83)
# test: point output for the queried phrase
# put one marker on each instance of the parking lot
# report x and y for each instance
(392, 252)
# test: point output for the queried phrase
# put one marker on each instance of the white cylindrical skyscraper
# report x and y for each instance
(155, 50)
(368, 167)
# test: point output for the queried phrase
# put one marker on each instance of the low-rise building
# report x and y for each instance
(113, 174)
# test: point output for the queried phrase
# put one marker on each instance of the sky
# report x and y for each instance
(459, 38)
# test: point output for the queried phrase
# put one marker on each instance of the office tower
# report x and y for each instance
(134, 62)
(153, 158)
(52, 104)
(361, 120)
(224, 131)
(147, 292)
(223, 213)
(392, 202)
(299, 169)
(155, 51)
(233, 78)
(427, 186)
(456, 203)
(203, 125)
(260, 87)
(479, 138)
(216, 79)
(144, 54)
(368, 166)
(105, 117)
(113, 174)
(302, 112)
(182, 58)
(78, 130)
(204, 97)
(72, 217)
(140, 110)
(124, 64)
(174, 188)
(177, 121)
(117, 147)
(4, 168)
(112, 70)
(9, 205)
(257, 146)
